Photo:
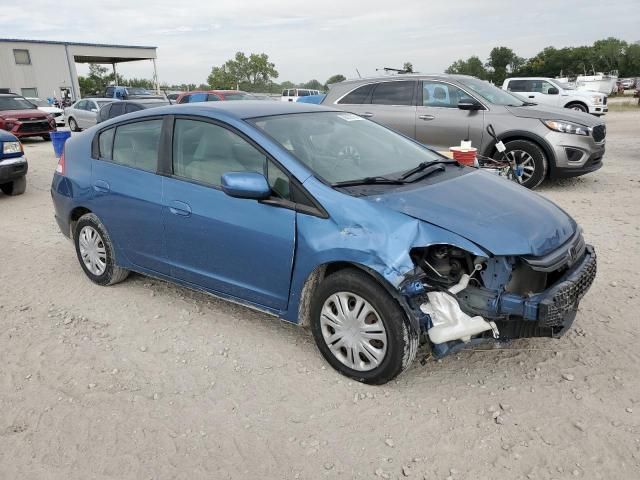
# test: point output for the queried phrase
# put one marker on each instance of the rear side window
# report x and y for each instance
(212, 98)
(136, 145)
(517, 86)
(358, 96)
(105, 143)
(116, 110)
(198, 97)
(132, 107)
(393, 93)
(185, 99)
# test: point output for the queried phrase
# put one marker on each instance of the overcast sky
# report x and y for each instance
(318, 39)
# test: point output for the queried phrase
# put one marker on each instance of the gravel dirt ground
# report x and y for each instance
(146, 380)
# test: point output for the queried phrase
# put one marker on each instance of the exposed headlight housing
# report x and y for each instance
(566, 127)
(11, 147)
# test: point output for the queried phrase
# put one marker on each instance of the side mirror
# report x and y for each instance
(250, 185)
(468, 104)
(553, 91)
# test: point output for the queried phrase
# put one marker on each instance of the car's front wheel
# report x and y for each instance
(579, 107)
(530, 158)
(95, 251)
(360, 329)
(73, 125)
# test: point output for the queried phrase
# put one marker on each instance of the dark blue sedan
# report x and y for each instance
(324, 219)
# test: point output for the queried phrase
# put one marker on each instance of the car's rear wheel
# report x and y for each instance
(360, 329)
(73, 125)
(530, 157)
(579, 107)
(46, 137)
(17, 187)
(95, 251)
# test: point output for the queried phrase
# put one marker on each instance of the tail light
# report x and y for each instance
(60, 167)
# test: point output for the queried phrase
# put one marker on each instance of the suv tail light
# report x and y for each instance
(60, 167)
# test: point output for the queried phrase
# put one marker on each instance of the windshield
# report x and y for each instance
(491, 93)
(40, 103)
(565, 86)
(340, 147)
(137, 91)
(15, 103)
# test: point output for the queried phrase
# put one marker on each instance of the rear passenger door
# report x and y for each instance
(237, 247)
(127, 193)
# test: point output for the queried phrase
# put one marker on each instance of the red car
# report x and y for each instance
(212, 96)
(23, 119)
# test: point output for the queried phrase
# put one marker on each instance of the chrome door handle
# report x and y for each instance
(426, 117)
(367, 115)
(180, 208)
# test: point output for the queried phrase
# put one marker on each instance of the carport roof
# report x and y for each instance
(79, 44)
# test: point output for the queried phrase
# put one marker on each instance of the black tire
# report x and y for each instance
(402, 339)
(112, 273)
(17, 187)
(540, 163)
(73, 125)
(46, 137)
(577, 106)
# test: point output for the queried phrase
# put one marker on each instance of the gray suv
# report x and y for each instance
(441, 110)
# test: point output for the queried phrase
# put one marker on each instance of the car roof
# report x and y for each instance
(102, 99)
(405, 76)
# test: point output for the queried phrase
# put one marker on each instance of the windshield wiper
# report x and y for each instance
(423, 166)
(369, 181)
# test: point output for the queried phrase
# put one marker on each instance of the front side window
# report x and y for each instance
(437, 94)
(81, 105)
(358, 96)
(490, 93)
(341, 146)
(198, 97)
(22, 56)
(136, 144)
(393, 93)
(212, 98)
(204, 151)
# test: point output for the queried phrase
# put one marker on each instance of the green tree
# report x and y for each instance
(472, 66)
(502, 60)
(334, 79)
(252, 73)
(608, 54)
(313, 84)
(407, 67)
(221, 79)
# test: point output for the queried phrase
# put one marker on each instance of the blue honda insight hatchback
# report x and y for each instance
(325, 219)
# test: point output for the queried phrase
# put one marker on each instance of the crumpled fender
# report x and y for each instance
(364, 234)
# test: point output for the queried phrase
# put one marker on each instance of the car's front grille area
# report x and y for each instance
(599, 132)
(564, 297)
(29, 127)
(604, 102)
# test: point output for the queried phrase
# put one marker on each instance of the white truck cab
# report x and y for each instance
(292, 94)
(552, 92)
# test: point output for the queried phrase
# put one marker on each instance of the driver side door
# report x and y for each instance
(237, 247)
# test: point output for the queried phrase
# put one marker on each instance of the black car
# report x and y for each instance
(13, 165)
(116, 109)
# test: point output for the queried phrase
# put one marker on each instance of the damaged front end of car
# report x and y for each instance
(461, 299)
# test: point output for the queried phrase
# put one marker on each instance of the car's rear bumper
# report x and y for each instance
(13, 168)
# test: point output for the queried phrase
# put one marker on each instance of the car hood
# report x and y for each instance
(492, 212)
(583, 93)
(23, 114)
(553, 113)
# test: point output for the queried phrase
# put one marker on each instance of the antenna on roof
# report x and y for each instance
(359, 76)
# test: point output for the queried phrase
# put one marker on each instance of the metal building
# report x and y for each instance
(40, 68)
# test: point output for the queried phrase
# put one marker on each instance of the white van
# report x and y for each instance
(552, 92)
(292, 94)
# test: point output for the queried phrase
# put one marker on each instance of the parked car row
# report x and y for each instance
(321, 217)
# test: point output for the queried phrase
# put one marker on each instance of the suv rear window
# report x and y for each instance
(358, 96)
(394, 93)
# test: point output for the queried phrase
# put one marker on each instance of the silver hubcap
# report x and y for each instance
(353, 331)
(92, 250)
(524, 160)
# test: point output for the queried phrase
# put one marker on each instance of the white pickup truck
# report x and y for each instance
(549, 91)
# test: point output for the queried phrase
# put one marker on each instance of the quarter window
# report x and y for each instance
(105, 143)
(436, 94)
(393, 93)
(136, 144)
(203, 152)
(22, 57)
(358, 96)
